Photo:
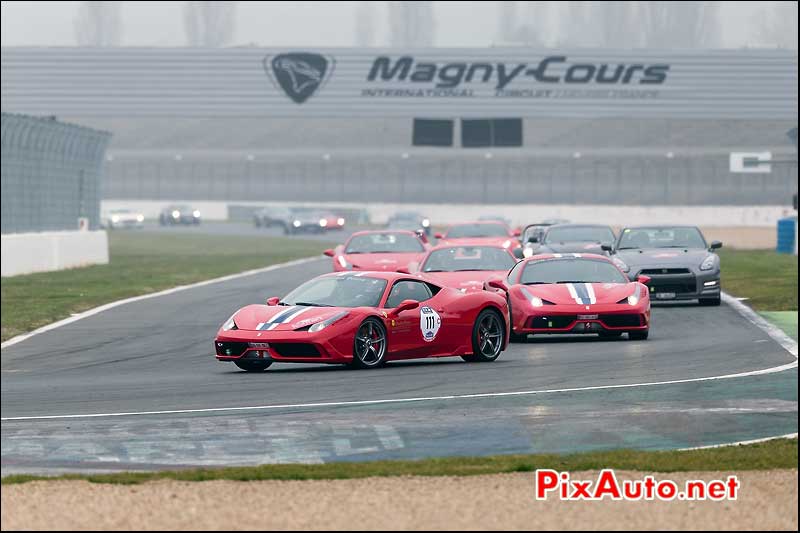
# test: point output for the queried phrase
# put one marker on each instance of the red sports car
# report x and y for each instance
(484, 231)
(364, 319)
(574, 293)
(379, 250)
(467, 266)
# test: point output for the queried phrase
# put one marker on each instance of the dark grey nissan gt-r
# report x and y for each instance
(680, 263)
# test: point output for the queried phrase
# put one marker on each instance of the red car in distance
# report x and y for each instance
(574, 293)
(466, 266)
(484, 231)
(379, 250)
(364, 319)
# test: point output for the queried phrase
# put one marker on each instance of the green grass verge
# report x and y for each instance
(767, 278)
(140, 263)
(774, 454)
(786, 320)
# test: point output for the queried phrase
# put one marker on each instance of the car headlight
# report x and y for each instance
(140, 218)
(323, 222)
(527, 252)
(340, 221)
(536, 301)
(709, 262)
(115, 219)
(325, 323)
(196, 213)
(506, 244)
(633, 299)
(426, 223)
(297, 223)
(343, 262)
(621, 264)
(230, 324)
(176, 214)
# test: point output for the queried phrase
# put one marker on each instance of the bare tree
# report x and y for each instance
(777, 25)
(411, 23)
(616, 24)
(506, 21)
(210, 24)
(679, 24)
(99, 24)
(578, 25)
(365, 24)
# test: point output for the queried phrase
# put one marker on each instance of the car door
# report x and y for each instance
(413, 332)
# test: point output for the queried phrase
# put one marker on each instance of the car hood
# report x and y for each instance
(572, 248)
(662, 257)
(282, 317)
(580, 293)
(471, 280)
(478, 241)
(389, 262)
(124, 217)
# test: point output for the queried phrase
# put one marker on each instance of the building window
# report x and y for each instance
(432, 132)
(481, 133)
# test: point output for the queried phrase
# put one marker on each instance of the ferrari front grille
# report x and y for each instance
(552, 322)
(294, 349)
(621, 321)
(230, 349)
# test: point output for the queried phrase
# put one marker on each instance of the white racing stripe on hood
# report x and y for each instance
(288, 318)
(573, 293)
(590, 290)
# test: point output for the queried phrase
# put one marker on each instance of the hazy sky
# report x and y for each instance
(292, 23)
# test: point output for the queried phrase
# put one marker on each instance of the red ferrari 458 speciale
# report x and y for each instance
(466, 266)
(574, 293)
(364, 319)
(379, 250)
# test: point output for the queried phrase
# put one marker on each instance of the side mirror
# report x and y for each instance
(607, 247)
(518, 253)
(716, 245)
(273, 301)
(644, 280)
(517, 232)
(404, 270)
(497, 283)
(438, 235)
(329, 252)
(405, 305)
(420, 233)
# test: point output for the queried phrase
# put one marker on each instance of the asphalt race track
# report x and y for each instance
(156, 355)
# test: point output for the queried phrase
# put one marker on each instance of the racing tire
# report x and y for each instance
(638, 335)
(253, 366)
(711, 302)
(610, 334)
(369, 344)
(488, 336)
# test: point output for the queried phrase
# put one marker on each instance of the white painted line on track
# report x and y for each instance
(352, 403)
(111, 305)
(759, 321)
(741, 442)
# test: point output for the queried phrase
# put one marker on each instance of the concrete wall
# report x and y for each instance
(519, 214)
(25, 253)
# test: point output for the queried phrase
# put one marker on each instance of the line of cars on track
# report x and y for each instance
(394, 295)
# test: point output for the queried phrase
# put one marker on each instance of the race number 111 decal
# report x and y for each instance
(429, 323)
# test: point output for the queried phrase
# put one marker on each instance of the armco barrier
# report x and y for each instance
(25, 253)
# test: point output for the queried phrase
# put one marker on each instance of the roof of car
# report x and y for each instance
(378, 231)
(576, 225)
(379, 274)
(661, 226)
(543, 257)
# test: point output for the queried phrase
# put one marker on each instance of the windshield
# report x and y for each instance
(338, 291)
(463, 258)
(477, 230)
(377, 243)
(571, 271)
(579, 234)
(633, 238)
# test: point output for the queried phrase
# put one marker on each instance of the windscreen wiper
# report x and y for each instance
(311, 304)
